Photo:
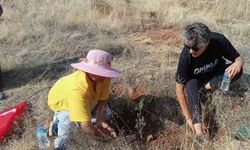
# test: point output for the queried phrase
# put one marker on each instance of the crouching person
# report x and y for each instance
(73, 97)
(202, 64)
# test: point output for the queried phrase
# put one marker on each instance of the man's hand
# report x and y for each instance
(190, 124)
(234, 68)
(106, 129)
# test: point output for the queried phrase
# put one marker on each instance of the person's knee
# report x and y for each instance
(192, 82)
(192, 90)
(216, 81)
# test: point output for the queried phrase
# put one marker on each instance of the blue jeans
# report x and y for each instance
(62, 119)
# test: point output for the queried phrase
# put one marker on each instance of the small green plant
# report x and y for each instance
(140, 121)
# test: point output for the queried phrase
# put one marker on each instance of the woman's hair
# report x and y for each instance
(196, 35)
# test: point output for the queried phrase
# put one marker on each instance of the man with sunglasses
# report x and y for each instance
(201, 67)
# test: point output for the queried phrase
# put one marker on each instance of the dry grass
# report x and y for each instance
(40, 38)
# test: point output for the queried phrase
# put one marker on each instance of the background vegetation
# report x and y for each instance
(40, 38)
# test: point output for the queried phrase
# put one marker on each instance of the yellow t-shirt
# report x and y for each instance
(74, 93)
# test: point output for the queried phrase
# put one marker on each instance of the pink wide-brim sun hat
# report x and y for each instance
(98, 62)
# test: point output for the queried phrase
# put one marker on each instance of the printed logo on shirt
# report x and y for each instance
(206, 68)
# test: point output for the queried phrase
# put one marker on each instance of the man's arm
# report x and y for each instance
(183, 104)
(232, 70)
(182, 100)
(233, 55)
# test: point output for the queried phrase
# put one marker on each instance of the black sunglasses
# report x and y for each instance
(193, 48)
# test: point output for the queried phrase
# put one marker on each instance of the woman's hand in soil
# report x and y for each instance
(106, 129)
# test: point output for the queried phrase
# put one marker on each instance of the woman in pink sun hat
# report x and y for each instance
(75, 96)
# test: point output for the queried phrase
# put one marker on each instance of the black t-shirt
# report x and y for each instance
(209, 63)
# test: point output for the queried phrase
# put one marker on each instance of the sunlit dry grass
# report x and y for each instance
(141, 35)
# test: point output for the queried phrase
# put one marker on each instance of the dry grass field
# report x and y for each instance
(40, 38)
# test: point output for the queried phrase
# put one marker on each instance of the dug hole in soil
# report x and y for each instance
(153, 120)
(146, 118)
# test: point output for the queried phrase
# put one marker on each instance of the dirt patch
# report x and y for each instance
(170, 138)
(142, 115)
(154, 120)
(146, 127)
(168, 36)
(221, 134)
(132, 92)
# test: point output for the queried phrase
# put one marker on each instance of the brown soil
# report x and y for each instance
(132, 92)
(161, 117)
(151, 119)
(170, 36)
(220, 135)
(170, 138)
